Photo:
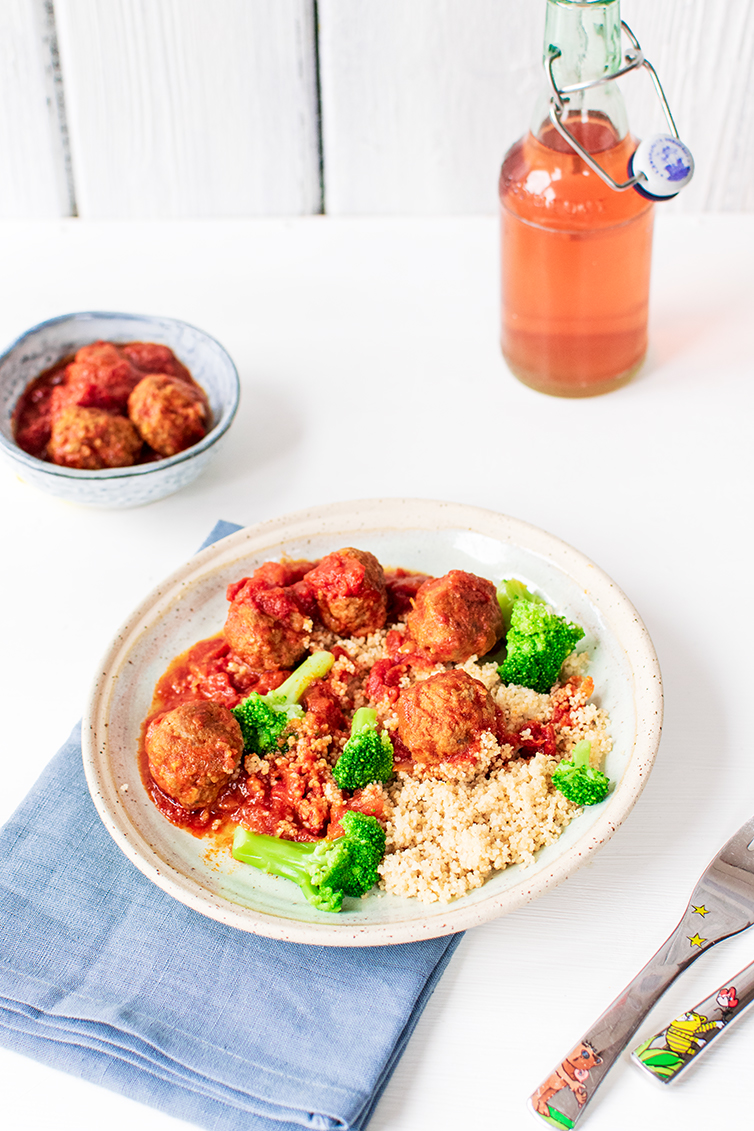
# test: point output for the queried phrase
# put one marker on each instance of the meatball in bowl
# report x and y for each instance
(114, 410)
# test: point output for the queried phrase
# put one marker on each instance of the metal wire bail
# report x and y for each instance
(632, 59)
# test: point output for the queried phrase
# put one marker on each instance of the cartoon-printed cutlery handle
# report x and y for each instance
(680, 1044)
(721, 905)
(563, 1097)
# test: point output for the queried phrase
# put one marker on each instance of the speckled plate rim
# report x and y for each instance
(340, 519)
(215, 433)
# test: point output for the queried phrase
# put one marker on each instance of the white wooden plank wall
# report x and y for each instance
(183, 108)
(33, 179)
(420, 100)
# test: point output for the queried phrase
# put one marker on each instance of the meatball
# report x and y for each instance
(349, 588)
(443, 715)
(90, 438)
(455, 617)
(98, 377)
(265, 626)
(193, 752)
(151, 357)
(169, 413)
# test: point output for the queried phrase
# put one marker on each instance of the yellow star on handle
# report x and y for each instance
(695, 940)
(700, 910)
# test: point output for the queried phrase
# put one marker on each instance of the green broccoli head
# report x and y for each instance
(263, 718)
(538, 641)
(261, 724)
(348, 864)
(578, 781)
(367, 756)
(325, 870)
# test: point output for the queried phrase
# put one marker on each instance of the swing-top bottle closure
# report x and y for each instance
(661, 165)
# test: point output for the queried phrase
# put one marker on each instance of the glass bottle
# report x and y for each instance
(576, 253)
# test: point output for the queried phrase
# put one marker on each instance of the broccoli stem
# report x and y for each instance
(277, 857)
(364, 719)
(285, 858)
(314, 667)
(581, 753)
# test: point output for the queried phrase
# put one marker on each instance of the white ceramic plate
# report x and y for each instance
(421, 535)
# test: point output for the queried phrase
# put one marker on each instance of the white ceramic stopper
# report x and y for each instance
(666, 163)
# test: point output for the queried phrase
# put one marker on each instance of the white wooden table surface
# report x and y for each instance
(368, 355)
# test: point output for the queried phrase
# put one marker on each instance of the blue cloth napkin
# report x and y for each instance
(105, 976)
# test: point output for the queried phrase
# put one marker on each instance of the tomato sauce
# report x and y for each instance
(207, 670)
(291, 794)
(402, 587)
(32, 417)
(387, 676)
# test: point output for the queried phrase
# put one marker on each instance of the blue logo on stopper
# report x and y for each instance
(670, 163)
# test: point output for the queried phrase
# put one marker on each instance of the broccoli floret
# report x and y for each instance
(263, 718)
(536, 644)
(578, 781)
(367, 756)
(325, 870)
(510, 591)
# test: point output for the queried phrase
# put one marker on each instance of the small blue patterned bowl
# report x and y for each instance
(43, 345)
